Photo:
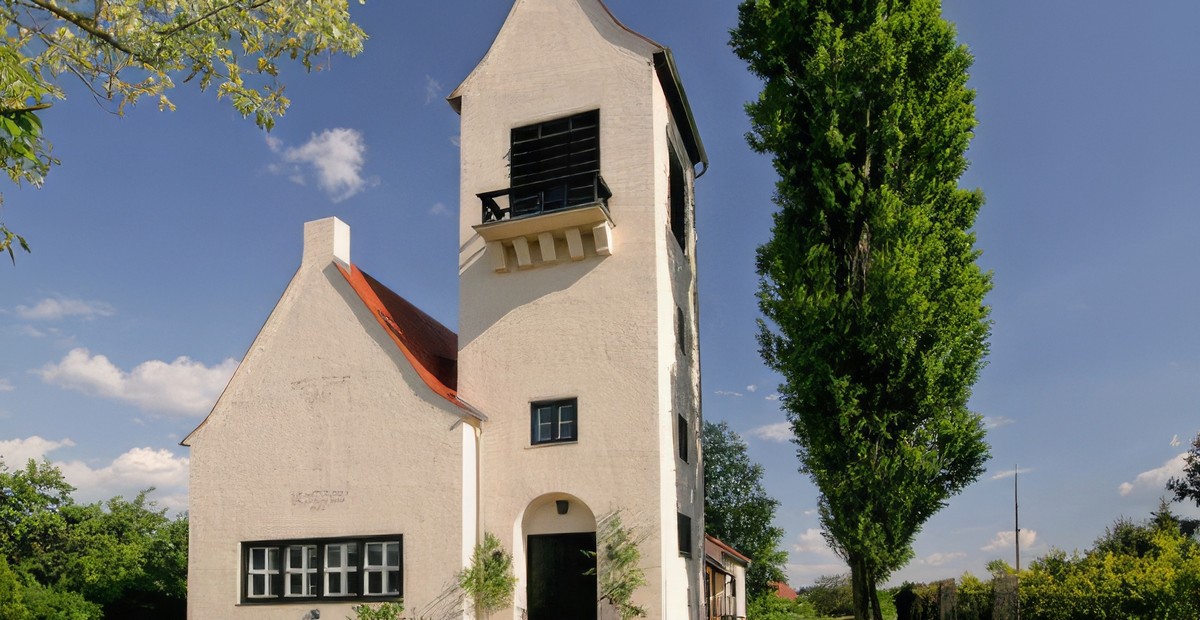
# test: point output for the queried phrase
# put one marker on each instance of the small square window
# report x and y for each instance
(554, 422)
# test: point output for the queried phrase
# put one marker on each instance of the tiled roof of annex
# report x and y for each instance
(429, 346)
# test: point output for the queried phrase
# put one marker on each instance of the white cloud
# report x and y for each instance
(130, 473)
(337, 156)
(1004, 540)
(456, 140)
(276, 145)
(433, 90)
(439, 209)
(751, 388)
(183, 386)
(1156, 478)
(813, 541)
(6, 385)
(998, 421)
(127, 475)
(728, 393)
(1009, 473)
(772, 397)
(55, 308)
(16, 452)
(32, 331)
(941, 559)
(1175, 443)
(780, 432)
(804, 574)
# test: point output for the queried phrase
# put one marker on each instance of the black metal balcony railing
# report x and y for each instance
(546, 196)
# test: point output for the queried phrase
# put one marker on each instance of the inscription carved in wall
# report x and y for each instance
(317, 501)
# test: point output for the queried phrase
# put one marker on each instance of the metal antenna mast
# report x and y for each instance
(1017, 525)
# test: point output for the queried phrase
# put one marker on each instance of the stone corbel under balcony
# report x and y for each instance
(533, 238)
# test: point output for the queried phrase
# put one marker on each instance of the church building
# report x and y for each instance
(362, 450)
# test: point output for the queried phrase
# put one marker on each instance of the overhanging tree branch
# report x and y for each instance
(83, 23)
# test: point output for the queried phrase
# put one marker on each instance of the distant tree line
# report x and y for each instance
(65, 560)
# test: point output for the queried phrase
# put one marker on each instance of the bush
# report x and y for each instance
(768, 606)
(831, 595)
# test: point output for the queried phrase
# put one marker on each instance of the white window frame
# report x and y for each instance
(346, 570)
(307, 570)
(384, 569)
(266, 572)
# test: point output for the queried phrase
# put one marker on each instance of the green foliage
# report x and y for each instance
(118, 559)
(618, 571)
(738, 510)
(489, 579)
(923, 601)
(127, 50)
(872, 296)
(830, 595)
(768, 606)
(1188, 487)
(1135, 571)
(975, 598)
(382, 611)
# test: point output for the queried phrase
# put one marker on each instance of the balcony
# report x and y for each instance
(532, 199)
(540, 220)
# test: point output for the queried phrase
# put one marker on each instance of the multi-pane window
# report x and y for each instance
(554, 422)
(342, 568)
(262, 570)
(301, 570)
(382, 569)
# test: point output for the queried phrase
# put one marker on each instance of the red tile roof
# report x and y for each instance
(784, 591)
(429, 346)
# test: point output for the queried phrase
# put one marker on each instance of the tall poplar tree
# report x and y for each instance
(872, 296)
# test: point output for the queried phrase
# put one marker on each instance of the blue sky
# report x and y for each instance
(164, 240)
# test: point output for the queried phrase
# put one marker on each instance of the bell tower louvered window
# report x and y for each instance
(556, 164)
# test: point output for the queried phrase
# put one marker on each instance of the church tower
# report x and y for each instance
(578, 311)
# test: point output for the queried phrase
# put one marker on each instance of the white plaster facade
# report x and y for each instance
(601, 329)
(595, 303)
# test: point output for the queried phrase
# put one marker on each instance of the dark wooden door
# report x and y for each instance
(558, 588)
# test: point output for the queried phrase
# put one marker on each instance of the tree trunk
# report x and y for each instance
(874, 594)
(858, 585)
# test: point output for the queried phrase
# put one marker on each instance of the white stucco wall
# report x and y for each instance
(601, 329)
(325, 402)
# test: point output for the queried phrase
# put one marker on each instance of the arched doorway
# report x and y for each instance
(558, 531)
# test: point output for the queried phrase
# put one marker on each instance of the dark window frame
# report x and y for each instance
(685, 535)
(677, 201)
(555, 423)
(356, 579)
(685, 438)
